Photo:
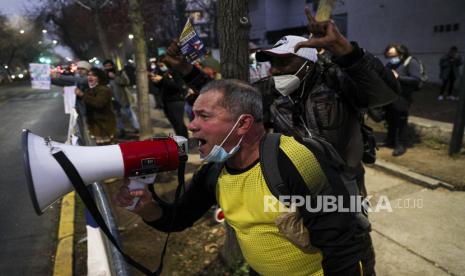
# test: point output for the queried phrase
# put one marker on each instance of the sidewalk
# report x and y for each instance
(431, 126)
(425, 232)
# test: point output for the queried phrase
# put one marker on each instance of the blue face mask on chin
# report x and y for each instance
(218, 154)
(394, 60)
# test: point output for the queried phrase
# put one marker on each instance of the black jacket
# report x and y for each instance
(172, 87)
(335, 96)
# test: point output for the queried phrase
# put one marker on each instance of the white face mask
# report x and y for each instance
(286, 84)
(218, 154)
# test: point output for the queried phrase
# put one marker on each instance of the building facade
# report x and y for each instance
(427, 27)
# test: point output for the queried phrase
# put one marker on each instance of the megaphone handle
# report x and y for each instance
(138, 183)
(134, 185)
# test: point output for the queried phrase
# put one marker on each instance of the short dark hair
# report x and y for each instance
(400, 48)
(238, 97)
(101, 75)
(454, 48)
(109, 61)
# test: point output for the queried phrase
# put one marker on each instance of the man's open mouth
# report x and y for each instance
(201, 142)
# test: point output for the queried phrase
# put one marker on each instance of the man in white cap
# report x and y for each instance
(327, 98)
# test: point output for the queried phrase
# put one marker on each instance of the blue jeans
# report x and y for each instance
(129, 114)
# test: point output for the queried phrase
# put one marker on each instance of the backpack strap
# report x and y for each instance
(212, 176)
(269, 149)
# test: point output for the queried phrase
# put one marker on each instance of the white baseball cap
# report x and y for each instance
(83, 64)
(285, 47)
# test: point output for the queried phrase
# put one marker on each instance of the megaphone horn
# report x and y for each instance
(47, 182)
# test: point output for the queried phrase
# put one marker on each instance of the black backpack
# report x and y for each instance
(330, 161)
(327, 231)
(423, 74)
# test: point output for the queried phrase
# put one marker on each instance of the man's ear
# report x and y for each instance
(245, 124)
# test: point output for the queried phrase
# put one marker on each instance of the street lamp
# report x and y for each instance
(131, 36)
(6, 66)
(44, 31)
(54, 41)
(21, 31)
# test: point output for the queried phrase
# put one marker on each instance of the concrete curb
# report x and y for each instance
(434, 130)
(407, 174)
(64, 253)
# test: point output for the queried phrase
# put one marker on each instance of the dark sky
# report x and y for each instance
(12, 7)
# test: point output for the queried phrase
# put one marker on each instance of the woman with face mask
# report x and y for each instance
(407, 71)
(99, 110)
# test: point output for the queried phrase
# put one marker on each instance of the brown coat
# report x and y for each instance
(99, 111)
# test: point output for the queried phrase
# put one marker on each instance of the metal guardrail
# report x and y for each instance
(116, 261)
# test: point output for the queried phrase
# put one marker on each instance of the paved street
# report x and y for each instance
(27, 241)
(425, 232)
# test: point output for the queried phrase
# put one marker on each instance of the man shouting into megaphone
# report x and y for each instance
(275, 238)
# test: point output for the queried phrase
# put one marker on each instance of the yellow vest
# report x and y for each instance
(242, 198)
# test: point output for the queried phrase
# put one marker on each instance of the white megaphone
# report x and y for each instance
(139, 160)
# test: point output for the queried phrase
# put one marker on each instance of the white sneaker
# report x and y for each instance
(440, 98)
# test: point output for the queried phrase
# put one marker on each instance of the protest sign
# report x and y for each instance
(192, 46)
(69, 98)
(40, 76)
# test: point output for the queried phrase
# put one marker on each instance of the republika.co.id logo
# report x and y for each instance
(331, 203)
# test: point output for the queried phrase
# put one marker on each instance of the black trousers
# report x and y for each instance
(397, 122)
(450, 80)
(174, 111)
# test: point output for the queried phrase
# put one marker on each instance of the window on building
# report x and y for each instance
(453, 27)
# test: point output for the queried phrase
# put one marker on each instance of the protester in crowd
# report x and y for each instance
(67, 70)
(190, 98)
(123, 99)
(130, 71)
(153, 89)
(409, 76)
(99, 110)
(229, 114)
(210, 65)
(79, 80)
(173, 91)
(257, 70)
(449, 65)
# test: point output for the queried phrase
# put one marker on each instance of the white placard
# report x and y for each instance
(69, 97)
(40, 76)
